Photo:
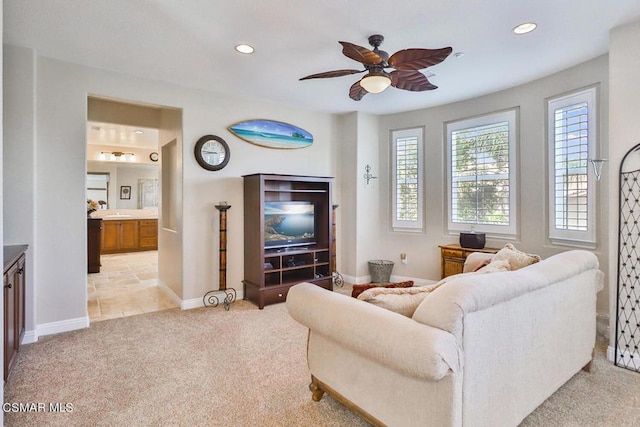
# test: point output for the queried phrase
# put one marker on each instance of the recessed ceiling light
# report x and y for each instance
(138, 131)
(244, 48)
(525, 28)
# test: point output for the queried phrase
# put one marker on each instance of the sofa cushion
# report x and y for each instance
(400, 300)
(516, 258)
(358, 289)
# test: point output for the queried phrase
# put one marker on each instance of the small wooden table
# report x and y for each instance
(453, 257)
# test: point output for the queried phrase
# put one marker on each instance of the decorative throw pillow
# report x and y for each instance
(517, 259)
(495, 266)
(482, 265)
(401, 300)
(358, 289)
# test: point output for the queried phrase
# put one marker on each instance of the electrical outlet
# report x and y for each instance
(403, 258)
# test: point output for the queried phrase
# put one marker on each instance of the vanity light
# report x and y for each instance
(245, 48)
(525, 28)
(118, 156)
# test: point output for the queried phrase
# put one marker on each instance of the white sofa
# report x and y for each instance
(480, 350)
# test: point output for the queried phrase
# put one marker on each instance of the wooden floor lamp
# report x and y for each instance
(228, 294)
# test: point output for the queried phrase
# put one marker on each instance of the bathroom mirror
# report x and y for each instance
(142, 180)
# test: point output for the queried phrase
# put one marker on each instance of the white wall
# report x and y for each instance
(19, 160)
(422, 249)
(358, 211)
(624, 63)
(346, 214)
(59, 222)
(368, 195)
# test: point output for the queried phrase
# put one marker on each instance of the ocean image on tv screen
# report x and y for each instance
(288, 222)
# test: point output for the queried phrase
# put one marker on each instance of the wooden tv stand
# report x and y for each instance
(269, 273)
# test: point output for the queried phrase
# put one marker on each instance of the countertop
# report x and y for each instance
(124, 214)
(125, 217)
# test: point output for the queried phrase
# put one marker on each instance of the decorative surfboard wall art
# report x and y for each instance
(272, 134)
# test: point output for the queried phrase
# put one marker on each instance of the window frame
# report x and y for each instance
(586, 238)
(416, 226)
(511, 117)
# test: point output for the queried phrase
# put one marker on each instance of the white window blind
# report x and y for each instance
(407, 179)
(481, 178)
(571, 135)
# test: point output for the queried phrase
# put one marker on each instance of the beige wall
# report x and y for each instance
(57, 228)
(529, 100)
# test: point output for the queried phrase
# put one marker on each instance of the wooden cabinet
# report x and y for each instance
(129, 235)
(14, 303)
(94, 231)
(453, 257)
(269, 273)
(148, 234)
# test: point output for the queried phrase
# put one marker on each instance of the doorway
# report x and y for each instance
(123, 143)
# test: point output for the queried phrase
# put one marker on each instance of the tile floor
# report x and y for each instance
(126, 286)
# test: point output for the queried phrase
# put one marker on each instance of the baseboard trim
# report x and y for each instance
(627, 356)
(29, 337)
(55, 328)
(188, 304)
(169, 292)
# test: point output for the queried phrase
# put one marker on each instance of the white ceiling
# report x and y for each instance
(191, 42)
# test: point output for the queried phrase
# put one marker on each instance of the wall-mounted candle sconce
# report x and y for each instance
(597, 167)
(368, 175)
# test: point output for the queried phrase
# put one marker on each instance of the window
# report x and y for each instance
(407, 179)
(481, 174)
(571, 122)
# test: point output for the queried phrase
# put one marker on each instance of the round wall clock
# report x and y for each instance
(212, 152)
(154, 156)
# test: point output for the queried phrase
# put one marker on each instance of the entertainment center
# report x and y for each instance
(288, 235)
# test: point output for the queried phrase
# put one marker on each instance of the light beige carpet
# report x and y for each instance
(244, 367)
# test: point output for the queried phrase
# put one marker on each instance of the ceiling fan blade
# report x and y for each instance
(360, 54)
(336, 73)
(411, 80)
(417, 59)
(356, 92)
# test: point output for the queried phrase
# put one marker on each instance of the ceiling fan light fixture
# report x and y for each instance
(375, 83)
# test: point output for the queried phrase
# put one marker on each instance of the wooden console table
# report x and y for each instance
(453, 257)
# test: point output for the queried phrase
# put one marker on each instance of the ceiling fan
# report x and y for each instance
(406, 64)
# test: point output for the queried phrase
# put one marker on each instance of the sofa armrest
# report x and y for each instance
(389, 338)
(474, 260)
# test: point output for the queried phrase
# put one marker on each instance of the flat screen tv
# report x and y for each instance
(288, 224)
